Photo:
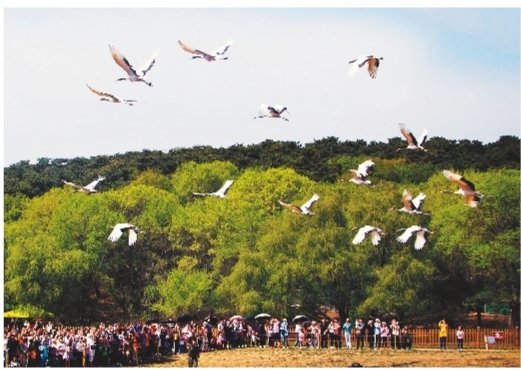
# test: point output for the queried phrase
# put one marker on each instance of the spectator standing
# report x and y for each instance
(370, 334)
(262, 335)
(44, 352)
(395, 334)
(79, 352)
(347, 333)
(298, 328)
(406, 339)
(384, 334)
(360, 331)
(275, 332)
(444, 330)
(12, 347)
(284, 333)
(193, 354)
(324, 334)
(460, 336)
(377, 333)
(314, 330)
(23, 348)
(301, 337)
(34, 352)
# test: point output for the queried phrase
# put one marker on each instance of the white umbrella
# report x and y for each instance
(300, 318)
(262, 316)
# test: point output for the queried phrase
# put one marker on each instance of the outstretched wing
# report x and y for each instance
(418, 201)
(372, 67)
(92, 185)
(149, 64)
(280, 109)
(307, 206)
(294, 208)
(408, 233)
(100, 93)
(362, 232)
(223, 49)
(193, 51)
(463, 183)
(132, 237)
(363, 167)
(122, 61)
(71, 184)
(263, 110)
(357, 64)
(116, 233)
(420, 239)
(407, 200)
(273, 111)
(202, 194)
(376, 236)
(423, 137)
(222, 191)
(407, 134)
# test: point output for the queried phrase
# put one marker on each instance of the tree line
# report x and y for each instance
(324, 160)
(246, 254)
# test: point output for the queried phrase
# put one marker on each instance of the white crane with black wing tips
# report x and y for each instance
(87, 189)
(375, 232)
(410, 205)
(304, 209)
(364, 167)
(413, 144)
(420, 232)
(466, 188)
(133, 75)
(221, 193)
(120, 228)
(217, 54)
(372, 65)
(360, 175)
(359, 179)
(112, 98)
(266, 110)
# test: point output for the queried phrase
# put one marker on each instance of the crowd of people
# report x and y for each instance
(35, 344)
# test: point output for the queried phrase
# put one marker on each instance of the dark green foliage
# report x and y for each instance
(320, 161)
(247, 254)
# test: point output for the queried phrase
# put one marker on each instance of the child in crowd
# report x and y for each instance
(460, 335)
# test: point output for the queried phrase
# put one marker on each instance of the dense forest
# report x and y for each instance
(322, 161)
(246, 254)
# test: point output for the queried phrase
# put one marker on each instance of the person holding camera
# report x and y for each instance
(360, 332)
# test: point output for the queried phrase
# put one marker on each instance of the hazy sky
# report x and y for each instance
(453, 71)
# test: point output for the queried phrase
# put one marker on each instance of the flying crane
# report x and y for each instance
(133, 75)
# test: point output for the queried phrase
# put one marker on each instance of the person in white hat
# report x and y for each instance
(377, 331)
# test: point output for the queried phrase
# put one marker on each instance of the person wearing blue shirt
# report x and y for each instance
(347, 333)
(44, 353)
(284, 333)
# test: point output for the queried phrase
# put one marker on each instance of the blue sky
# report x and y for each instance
(454, 71)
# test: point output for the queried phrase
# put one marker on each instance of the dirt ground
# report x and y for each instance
(293, 357)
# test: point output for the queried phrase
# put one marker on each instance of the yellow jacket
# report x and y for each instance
(444, 328)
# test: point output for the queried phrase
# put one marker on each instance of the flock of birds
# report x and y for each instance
(411, 206)
(360, 176)
(265, 110)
